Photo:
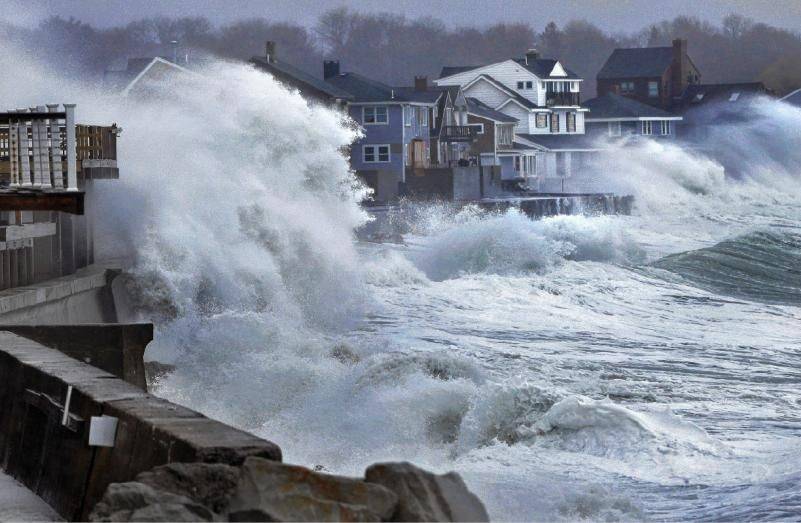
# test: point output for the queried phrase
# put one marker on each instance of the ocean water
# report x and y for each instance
(577, 367)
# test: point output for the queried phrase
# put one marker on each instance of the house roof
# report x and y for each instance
(298, 78)
(561, 142)
(121, 79)
(735, 94)
(793, 98)
(613, 105)
(541, 67)
(514, 95)
(637, 62)
(477, 108)
(364, 89)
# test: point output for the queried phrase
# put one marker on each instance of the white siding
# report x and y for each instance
(487, 93)
(515, 111)
(533, 129)
(507, 73)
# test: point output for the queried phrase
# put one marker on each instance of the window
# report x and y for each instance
(376, 115)
(554, 122)
(571, 122)
(734, 97)
(529, 85)
(646, 127)
(665, 127)
(626, 87)
(520, 85)
(542, 120)
(376, 153)
(479, 127)
(653, 89)
(422, 116)
(614, 129)
(504, 134)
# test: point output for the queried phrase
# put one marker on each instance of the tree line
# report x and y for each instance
(394, 48)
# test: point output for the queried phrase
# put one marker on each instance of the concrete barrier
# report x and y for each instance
(116, 348)
(48, 451)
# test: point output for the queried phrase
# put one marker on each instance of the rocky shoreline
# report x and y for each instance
(267, 490)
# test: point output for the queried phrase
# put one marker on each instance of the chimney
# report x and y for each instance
(532, 55)
(681, 67)
(270, 48)
(421, 83)
(330, 69)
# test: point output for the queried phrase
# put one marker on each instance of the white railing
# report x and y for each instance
(39, 138)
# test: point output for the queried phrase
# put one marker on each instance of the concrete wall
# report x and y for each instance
(83, 297)
(55, 461)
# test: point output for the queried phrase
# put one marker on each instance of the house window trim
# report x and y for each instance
(544, 121)
(568, 117)
(665, 127)
(615, 129)
(376, 153)
(375, 115)
(627, 91)
(521, 85)
(555, 128)
(479, 125)
(655, 92)
(647, 128)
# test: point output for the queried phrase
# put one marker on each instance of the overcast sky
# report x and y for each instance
(613, 15)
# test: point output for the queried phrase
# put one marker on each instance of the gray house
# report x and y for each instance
(396, 122)
(613, 115)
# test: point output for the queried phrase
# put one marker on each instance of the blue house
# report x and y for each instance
(397, 124)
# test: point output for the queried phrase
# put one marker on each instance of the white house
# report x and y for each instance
(544, 97)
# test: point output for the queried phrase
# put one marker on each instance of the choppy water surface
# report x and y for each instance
(606, 368)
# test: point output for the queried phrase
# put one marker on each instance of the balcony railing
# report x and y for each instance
(458, 133)
(552, 99)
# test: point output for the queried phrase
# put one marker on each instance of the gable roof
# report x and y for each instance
(136, 63)
(299, 79)
(116, 79)
(613, 105)
(363, 89)
(793, 98)
(636, 62)
(513, 95)
(477, 108)
(720, 103)
(541, 67)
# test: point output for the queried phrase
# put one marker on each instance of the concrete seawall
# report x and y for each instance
(53, 459)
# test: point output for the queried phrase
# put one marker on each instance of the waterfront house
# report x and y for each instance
(309, 86)
(544, 97)
(613, 116)
(138, 75)
(656, 76)
(397, 124)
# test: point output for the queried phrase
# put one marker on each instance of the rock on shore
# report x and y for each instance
(264, 490)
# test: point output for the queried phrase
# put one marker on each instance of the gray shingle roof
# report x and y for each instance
(477, 108)
(615, 106)
(637, 62)
(299, 78)
(562, 142)
(364, 89)
(541, 67)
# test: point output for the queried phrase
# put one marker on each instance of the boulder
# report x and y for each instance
(272, 491)
(134, 501)
(210, 484)
(423, 496)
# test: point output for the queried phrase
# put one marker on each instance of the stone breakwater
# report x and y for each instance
(265, 490)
